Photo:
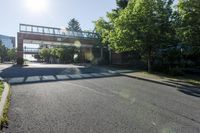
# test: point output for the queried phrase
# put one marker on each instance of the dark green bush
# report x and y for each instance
(175, 71)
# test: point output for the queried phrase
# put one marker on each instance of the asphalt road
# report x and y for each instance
(116, 104)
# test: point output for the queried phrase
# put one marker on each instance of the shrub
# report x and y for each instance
(175, 71)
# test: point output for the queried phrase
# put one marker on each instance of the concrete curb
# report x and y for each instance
(156, 81)
(4, 98)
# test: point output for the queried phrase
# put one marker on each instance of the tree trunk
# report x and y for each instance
(1, 60)
(149, 61)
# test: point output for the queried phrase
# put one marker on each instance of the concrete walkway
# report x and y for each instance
(161, 79)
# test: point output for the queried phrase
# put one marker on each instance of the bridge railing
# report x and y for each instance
(56, 31)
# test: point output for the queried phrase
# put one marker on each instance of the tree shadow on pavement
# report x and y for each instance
(190, 91)
(186, 88)
(27, 75)
(23, 75)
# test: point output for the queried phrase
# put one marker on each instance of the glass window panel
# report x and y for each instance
(23, 28)
(57, 31)
(51, 31)
(63, 32)
(35, 29)
(46, 30)
(40, 30)
(29, 28)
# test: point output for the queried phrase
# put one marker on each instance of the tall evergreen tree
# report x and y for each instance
(122, 3)
(74, 25)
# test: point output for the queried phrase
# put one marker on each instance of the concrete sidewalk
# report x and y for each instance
(173, 82)
(4, 66)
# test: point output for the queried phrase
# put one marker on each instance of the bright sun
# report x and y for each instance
(36, 5)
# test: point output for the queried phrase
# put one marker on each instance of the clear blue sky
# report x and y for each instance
(55, 13)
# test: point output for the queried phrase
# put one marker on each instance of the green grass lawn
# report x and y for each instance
(1, 88)
(4, 119)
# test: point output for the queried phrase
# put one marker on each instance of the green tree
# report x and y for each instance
(103, 28)
(12, 54)
(122, 4)
(74, 25)
(144, 25)
(66, 54)
(63, 53)
(3, 52)
(189, 26)
(60, 53)
(53, 52)
(44, 53)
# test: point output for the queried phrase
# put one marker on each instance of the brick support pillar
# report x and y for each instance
(19, 46)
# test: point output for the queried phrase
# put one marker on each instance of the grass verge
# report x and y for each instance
(4, 119)
(1, 88)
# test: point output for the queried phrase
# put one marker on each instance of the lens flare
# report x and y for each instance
(36, 5)
(77, 43)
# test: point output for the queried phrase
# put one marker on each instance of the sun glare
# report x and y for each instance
(36, 5)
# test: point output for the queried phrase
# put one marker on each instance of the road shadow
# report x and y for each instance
(186, 88)
(47, 73)
(37, 74)
(190, 91)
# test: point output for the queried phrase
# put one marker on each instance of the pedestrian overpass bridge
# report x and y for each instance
(42, 35)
